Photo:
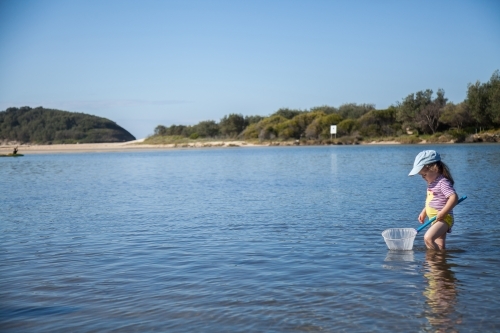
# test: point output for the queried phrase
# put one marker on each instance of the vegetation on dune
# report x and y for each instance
(419, 116)
(48, 126)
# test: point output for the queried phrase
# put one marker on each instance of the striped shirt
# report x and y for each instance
(438, 193)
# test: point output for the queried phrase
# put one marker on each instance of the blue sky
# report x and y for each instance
(145, 63)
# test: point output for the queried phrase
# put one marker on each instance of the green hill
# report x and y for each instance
(48, 126)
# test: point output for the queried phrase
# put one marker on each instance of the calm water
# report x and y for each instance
(268, 239)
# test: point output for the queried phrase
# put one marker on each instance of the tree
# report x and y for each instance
(251, 132)
(483, 101)
(269, 127)
(494, 96)
(265, 129)
(354, 111)
(208, 128)
(347, 126)
(325, 109)
(296, 127)
(40, 125)
(320, 127)
(477, 102)
(421, 111)
(232, 125)
(379, 123)
(455, 115)
(428, 117)
(181, 130)
(411, 105)
(160, 130)
(252, 119)
(287, 113)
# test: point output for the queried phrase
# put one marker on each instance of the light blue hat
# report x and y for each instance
(423, 158)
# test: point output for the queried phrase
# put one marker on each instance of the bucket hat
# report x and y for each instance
(423, 158)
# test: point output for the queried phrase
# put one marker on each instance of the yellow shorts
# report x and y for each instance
(448, 219)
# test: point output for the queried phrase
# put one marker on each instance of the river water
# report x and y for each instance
(270, 239)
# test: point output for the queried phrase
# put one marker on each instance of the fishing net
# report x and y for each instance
(399, 238)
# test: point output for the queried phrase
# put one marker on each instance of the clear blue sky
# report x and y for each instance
(145, 63)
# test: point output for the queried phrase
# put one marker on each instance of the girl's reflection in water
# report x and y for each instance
(441, 293)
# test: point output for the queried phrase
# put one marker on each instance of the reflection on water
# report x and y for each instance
(403, 261)
(400, 256)
(441, 292)
(334, 165)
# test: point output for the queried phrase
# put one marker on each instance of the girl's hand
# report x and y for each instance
(422, 216)
(440, 216)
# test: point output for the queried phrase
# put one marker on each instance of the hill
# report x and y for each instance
(48, 126)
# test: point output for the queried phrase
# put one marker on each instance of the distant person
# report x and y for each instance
(15, 151)
(441, 197)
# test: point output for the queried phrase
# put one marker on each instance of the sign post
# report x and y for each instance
(333, 130)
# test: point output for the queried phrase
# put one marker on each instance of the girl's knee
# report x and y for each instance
(428, 239)
(429, 242)
(434, 243)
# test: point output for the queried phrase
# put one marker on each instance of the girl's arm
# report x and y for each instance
(452, 202)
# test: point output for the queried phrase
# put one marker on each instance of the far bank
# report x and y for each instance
(145, 144)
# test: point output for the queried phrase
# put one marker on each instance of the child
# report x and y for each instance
(441, 197)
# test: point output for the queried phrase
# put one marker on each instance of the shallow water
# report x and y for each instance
(275, 239)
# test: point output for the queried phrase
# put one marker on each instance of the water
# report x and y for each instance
(274, 239)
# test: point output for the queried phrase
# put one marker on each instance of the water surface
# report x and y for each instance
(273, 239)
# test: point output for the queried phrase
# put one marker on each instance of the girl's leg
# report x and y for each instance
(435, 237)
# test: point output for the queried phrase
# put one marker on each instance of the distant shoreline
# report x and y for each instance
(137, 145)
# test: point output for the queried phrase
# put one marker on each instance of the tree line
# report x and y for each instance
(47, 126)
(422, 112)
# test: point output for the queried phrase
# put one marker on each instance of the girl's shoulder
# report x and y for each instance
(445, 180)
(442, 179)
(446, 185)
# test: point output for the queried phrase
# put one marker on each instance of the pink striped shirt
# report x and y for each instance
(441, 189)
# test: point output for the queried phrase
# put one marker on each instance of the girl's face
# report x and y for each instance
(429, 174)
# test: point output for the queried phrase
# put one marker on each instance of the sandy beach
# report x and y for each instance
(136, 145)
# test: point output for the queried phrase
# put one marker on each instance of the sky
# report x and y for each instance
(159, 62)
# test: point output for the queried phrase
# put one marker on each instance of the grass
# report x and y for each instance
(408, 139)
(180, 140)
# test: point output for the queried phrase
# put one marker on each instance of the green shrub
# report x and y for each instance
(458, 135)
(347, 126)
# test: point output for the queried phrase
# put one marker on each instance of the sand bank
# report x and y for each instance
(136, 145)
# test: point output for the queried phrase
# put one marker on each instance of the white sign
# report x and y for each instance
(333, 129)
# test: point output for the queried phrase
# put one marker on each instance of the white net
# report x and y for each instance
(399, 238)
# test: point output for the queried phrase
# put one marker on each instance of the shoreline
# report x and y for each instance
(137, 145)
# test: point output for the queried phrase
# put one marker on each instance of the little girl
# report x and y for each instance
(441, 197)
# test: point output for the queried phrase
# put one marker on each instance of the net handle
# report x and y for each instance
(422, 227)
